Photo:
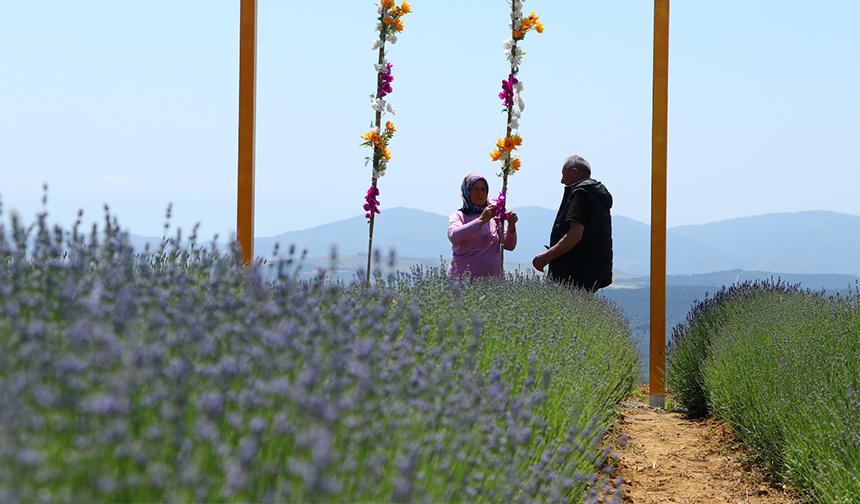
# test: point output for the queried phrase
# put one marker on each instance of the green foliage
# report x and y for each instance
(182, 376)
(782, 366)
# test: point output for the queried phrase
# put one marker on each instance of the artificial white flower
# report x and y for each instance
(518, 87)
(378, 105)
(381, 68)
(516, 60)
(391, 109)
(508, 44)
(514, 124)
(375, 45)
(379, 9)
(379, 26)
(521, 102)
(391, 38)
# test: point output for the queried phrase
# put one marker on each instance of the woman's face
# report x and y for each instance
(478, 193)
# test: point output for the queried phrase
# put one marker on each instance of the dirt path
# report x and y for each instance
(671, 459)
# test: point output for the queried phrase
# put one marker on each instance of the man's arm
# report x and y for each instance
(565, 245)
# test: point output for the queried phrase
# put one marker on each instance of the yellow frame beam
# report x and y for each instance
(247, 117)
(658, 203)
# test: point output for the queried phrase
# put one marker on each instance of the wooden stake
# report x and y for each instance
(658, 203)
(247, 114)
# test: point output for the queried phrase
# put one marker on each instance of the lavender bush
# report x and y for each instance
(783, 368)
(690, 343)
(178, 375)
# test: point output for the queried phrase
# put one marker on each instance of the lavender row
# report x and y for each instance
(179, 375)
(782, 366)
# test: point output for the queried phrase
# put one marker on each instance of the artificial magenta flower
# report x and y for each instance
(384, 81)
(507, 94)
(372, 204)
(499, 206)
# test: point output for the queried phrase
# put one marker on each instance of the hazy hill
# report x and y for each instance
(803, 242)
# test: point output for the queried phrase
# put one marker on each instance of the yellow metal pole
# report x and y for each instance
(658, 203)
(247, 113)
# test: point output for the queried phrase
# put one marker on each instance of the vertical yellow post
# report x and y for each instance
(247, 114)
(658, 203)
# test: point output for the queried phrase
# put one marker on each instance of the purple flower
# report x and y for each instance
(499, 205)
(383, 86)
(507, 94)
(372, 202)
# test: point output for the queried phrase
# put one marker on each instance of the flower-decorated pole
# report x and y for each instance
(388, 26)
(514, 104)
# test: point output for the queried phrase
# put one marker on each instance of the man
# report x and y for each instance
(580, 251)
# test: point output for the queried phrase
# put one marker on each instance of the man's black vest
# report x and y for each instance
(589, 263)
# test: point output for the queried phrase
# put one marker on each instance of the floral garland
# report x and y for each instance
(388, 25)
(513, 104)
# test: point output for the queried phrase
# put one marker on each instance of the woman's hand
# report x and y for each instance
(512, 221)
(488, 213)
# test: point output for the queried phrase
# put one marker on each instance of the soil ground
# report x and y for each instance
(672, 459)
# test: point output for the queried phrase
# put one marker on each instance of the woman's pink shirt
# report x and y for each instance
(476, 247)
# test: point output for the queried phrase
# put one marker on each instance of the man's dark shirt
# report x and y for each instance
(589, 263)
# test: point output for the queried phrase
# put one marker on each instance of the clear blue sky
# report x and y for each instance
(134, 104)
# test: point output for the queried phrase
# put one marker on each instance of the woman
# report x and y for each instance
(473, 232)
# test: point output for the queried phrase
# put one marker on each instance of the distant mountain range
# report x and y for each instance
(812, 242)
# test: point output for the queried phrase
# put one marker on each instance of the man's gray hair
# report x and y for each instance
(579, 163)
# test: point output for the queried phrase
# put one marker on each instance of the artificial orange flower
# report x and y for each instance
(387, 3)
(386, 154)
(509, 144)
(516, 163)
(390, 127)
(525, 24)
(371, 136)
(517, 140)
(406, 8)
(398, 25)
(388, 20)
(501, 143)
(517, 34)
(496, 155)
(534, 17)
(539, 27)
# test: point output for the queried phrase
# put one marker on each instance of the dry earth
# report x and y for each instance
(670, 459)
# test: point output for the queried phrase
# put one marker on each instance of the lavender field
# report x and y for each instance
(179, 375)
(782, 366)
